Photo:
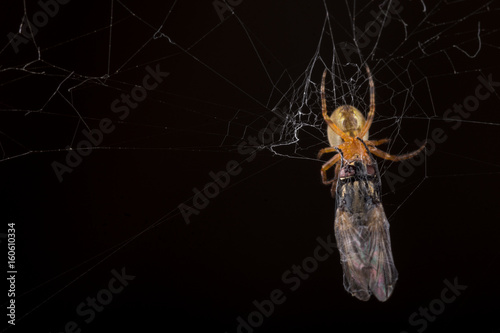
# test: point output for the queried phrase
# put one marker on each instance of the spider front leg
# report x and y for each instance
(371, 113)
(327, 166)
(334, 181)
(326, 150)
(324, 111)
(377, 142)
(396, 158)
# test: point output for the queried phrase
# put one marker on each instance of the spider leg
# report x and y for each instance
(327, 166)
(334, 181)
(371, 113)
(326, 150)
(376, 142)
(382, 154)
(330, 123)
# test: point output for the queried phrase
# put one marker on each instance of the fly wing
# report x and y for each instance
(383, 271)
(351, 241)
(362, 233)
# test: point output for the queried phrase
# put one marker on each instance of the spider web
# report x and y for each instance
(225, 76)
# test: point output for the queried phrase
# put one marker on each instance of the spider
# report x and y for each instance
(361, 226)
(348, 136)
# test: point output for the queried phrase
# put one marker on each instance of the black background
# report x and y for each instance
(119, 207)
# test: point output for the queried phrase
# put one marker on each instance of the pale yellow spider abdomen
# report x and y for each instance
(350, 120)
